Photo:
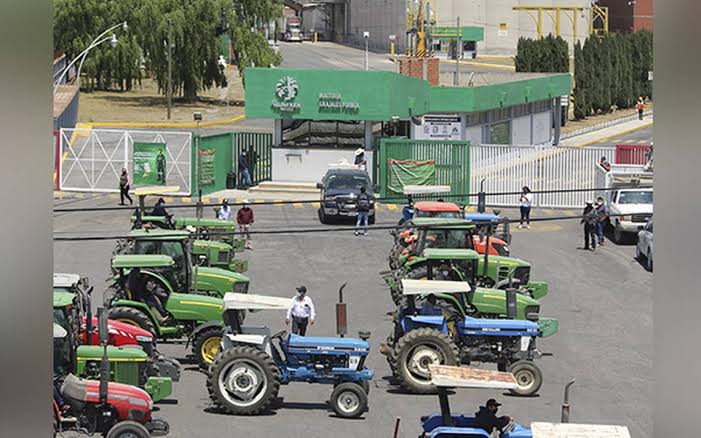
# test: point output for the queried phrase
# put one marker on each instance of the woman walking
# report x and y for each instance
(526, 200)
(124, 184)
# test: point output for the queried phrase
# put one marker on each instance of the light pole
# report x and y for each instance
(169, 91)
(82, 55)
(366, 35)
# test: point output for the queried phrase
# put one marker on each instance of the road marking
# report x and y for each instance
(186, 200)
(392, 207)
(297, 205)
(535, 227)
(316, 205)
(278, 202)
(618, 134)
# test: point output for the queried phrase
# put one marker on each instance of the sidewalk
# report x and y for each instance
(601, 135)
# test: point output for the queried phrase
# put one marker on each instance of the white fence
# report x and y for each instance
(92, 159)
(541, 168)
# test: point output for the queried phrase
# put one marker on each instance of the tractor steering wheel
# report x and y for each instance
(509, 427)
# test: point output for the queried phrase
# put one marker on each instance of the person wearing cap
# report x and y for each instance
(301, 313)
(605, 164)
(487, 420)
(590, 219)
(360, 158)
(244, 217)
(224, 213)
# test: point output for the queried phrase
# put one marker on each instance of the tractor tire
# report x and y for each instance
(349, 400)
(108, 295)
(203, 346)
(418, 349)
(528, 376)
(134, 317)
(128, 429)
(243, 381)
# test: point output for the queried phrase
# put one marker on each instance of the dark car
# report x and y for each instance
(339, 192)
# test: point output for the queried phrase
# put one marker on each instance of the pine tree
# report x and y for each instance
(580, 91)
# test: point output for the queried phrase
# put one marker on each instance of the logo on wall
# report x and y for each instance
(286, 89)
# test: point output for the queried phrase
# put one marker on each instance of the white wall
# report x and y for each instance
(521, 130)
(473, 134)
(541, 128)
(309, 165)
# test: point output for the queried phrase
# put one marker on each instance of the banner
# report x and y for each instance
(207, 173)
(149, 161)
(403, 173)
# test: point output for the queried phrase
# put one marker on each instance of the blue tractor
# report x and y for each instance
(430, 332)
(246, 374)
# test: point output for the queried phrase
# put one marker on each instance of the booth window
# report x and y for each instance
(500, 133)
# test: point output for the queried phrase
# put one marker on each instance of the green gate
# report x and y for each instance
(260, 158)
(451, 160)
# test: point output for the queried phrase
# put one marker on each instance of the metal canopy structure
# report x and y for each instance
(598, 14)
(237, 301)
(425, 287)
(444, 376)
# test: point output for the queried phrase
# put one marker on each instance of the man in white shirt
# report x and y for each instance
(301, 312)
(224, 212)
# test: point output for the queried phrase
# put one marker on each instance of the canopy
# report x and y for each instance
(141, 261)
(425, 287)
(571, 430)
(450, 254)
(236, 301)
(65, 280)
(465, 377)
(437, 206)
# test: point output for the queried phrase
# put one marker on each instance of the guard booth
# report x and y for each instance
(451, 42)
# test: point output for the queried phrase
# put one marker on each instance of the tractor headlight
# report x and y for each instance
(241, 288)
(141, 338)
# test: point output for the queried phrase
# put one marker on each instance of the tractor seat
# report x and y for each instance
(75, 391)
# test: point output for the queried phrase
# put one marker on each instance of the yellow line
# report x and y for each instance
(480, 64)
(297, 205)
(618, 134)
(186, 200)
(168, 124)
(392, 207)
(278, 202)
(316, 205)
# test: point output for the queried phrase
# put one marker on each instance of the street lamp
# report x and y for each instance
(82, 55)
(366, 35)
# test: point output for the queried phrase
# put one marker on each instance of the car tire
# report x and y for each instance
(322, 217)
(648, 260)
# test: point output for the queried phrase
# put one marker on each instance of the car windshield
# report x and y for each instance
(636, 197)
(347, 182)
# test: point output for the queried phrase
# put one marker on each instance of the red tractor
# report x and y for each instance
(113, 410)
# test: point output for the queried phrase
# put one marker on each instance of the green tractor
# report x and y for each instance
(129, 365)
(216, 254)
(187, 276)
(492, 271)
(197, 317)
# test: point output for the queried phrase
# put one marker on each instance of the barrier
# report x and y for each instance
(632, 153)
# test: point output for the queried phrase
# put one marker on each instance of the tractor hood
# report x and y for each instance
(203, 245)
(193, 307)
(504, 261)
(323, 343)
(120, 333)
(220, 274)
(204, 223)
(114, 354)
(119, 392)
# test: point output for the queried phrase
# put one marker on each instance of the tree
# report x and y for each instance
(546, 55)
(580, 89)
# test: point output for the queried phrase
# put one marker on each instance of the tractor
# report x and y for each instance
(114, 410)
(196, 317)
(246, 375)
(446, 425)
(432, 334)
(120, 334)
(127, 364)
(186, 277)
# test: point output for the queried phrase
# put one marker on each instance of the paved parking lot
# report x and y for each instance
(603, 300)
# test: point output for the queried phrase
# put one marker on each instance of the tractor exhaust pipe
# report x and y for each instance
(396, 427)
(104, 363)
(341, 315)
(566, 404)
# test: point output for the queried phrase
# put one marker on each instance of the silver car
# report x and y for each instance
(643, 250)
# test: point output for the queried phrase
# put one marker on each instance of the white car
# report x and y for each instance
(643, 250)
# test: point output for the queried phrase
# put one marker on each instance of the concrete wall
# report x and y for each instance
(541, 127)
(308, 165)
(381, 18)
(473, 134)
(521, 130)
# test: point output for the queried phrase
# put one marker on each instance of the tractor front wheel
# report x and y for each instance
(134, 317)
(128, 429)
(206, 345)
(243, 380)
(528, 377)
(416, 351)
(349, 400)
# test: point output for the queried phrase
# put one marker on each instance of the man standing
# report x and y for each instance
(589, 219)
(252, 158)
(363, 212)
(486, 418)
(245, 175)
(161, 167)
(244, 218)
(224, 213)
(301, 312)
(602, 213)
(641, 107)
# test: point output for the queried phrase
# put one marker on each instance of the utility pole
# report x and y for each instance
(169, 91)
(458, 52)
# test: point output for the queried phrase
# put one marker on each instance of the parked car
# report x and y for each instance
(340, 188)
(643, 250)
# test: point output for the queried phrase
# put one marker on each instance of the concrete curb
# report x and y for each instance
(599, 126)
(166, 124)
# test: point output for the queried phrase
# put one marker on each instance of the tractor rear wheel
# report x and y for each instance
(527, 375)
(110, 294)
(416, 351)
(349, 400)
(243, 380)
(134, 317)
(206, 345)
(128, 429)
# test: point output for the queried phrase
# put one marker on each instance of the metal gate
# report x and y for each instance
(507, 168)
(260, 159)
(92, 159)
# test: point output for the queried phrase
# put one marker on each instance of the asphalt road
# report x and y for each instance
(603, 300)
(641, 136)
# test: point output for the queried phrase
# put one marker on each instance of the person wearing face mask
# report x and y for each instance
(486, 418)
(443, 272)
(301, 313)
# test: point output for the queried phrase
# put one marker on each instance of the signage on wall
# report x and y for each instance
(447, 127)
(286, 91)
(334, 103)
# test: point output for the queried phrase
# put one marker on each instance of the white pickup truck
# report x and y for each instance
(630, 205)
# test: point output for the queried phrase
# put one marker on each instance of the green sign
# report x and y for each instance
(207, 173)
(149, 164)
